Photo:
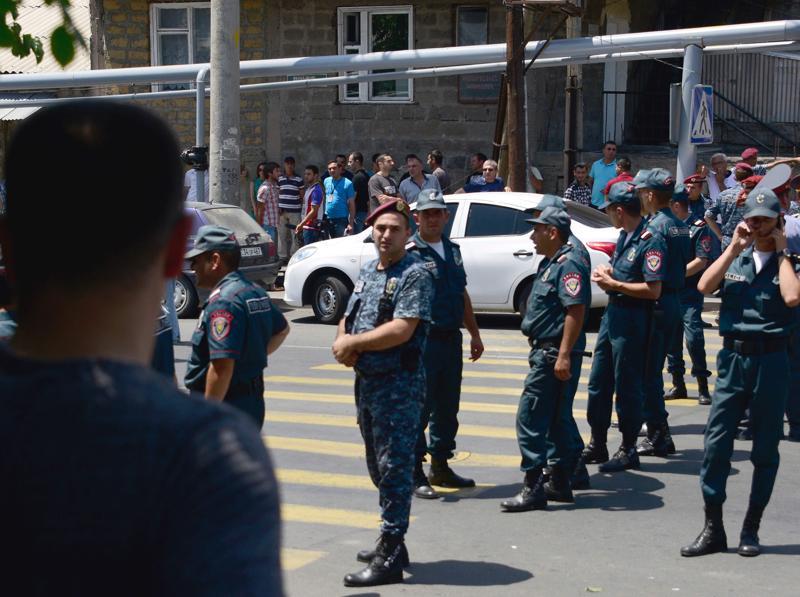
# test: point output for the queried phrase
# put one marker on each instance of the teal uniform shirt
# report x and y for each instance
(752, 306)
(449, 281)
(237, 323)
(580, 250)
(676, 236)
(699, 247)
(560, 282)
(640, 259)
(8, 325)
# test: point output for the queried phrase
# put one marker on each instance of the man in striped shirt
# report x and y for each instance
(267, 200)
(289, 207)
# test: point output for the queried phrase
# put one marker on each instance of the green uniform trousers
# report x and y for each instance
(760, 381)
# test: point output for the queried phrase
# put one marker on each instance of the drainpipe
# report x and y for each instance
(200, 125)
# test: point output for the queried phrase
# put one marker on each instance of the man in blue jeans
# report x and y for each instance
(340, 205)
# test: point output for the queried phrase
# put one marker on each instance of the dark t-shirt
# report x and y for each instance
(115, 483)
(361, 185)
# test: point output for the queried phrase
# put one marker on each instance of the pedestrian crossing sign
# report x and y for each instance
(702, 117)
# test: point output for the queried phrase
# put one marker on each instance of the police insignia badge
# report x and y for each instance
(705, 243)
(631, 254)
(572, 283)
(735, 277)
(391, 286)
(760, 198)
(359, 286)
(653, 260)
(546, 275)
(457, 257)
(221, 324)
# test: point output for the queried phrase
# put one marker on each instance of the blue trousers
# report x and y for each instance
(793, 400)
(666, 322)
(618, 368)
(692, 329)
(760, 381)
(567, 421)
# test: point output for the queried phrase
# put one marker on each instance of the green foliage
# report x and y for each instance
(63, 39)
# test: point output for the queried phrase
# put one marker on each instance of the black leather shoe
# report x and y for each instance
(580, 478)
(624, 459)
(654, 444)
(443, 476)
(595, 452)
(748, 539)
(531, 497)
(703, 396)
(678, 389)
(558, 489)
(422, 488)
(712, 538)
(366, 555)
(383, 569)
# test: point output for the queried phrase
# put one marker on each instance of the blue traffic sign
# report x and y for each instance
(702, 117)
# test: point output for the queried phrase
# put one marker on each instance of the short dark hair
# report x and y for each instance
(231, 259)
(413, 156)
(481, 156)
(110, 230)
(437, 156)
(288, 160)
(260, 166)
(633, 209)
(579, 165)
(624, 164)
(313, 168)
(356, 155)
(340, 156)
(270, 167)
(610, 142)
(375, 157)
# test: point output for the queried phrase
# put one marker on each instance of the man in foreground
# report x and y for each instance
(114, 481)
(760, 290)
(383, 336)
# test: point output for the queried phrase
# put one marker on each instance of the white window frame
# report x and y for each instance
(156, 33)
(365, 22)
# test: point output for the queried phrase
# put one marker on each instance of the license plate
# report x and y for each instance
(251, 252)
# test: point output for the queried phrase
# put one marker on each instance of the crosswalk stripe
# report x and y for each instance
(342, 481)
(330, 516)
(710, 347)
(282, 416)
(470, 374)
(292, 559)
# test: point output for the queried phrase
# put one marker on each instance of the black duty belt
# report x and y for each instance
(254, 386)
(442, 334)
(622, 300)
(545, 343)
(670, 290)
(756, 346)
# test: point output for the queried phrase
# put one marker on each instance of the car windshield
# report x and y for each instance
(588, 216)
(233, 218)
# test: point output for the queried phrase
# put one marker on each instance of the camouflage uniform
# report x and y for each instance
(731, 214)
(390, 384)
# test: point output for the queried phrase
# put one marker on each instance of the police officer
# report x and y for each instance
(792, 228)
(691, 304)
(443, 354)
(655, 189)
(164, 354)
(760, 290)
(698, 202)
(580, 477)
(633, 283)
(553, 323)
(237, 329)
(382, 336)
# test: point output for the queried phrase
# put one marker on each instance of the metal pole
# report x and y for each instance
(687, 152)
(515, 117)
(574, 106)
(224, 151)
(200, 125)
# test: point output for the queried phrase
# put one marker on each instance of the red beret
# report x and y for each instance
(752, 181)
(782, 189)
(750, 152)
(694, 179)
(744, 166)
(794, 182)
(396, 206)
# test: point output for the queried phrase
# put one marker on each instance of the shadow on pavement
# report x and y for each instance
(686, 462)
(465, 574)
(781, 550)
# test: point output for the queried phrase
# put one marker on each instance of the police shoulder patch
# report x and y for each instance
(259, 305)
(699, 223)
(646, 234)
(359, 286)
(562, 259)
(653, 260)
(705, 243)
(220, 323)
(572, 283)
(411, 245)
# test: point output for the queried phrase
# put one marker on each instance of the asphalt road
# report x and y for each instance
(622, 537)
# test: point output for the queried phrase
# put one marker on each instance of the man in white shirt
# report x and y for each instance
(190, 184)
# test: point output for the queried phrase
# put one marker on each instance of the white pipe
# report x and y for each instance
(692, 70)
(577, 48)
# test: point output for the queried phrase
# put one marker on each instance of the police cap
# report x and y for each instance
(680, 193)
(621, 192)
(553, 216)
(430, 199)
(549, 201)
(397, 206)
(694, 179)
(213, 238)
(764, 203)
(657, 179)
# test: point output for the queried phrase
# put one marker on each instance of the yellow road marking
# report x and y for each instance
(292, 559)
(471, 374)
(342, 481)
(330, 516)
(328, 381)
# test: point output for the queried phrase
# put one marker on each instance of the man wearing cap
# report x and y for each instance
(698, 203)
(750, 156)
(691, 305)
(633, 282)
(553, 322)
(729, 205)
(237, 328)
(760, 290)
(382, 335)
(443, 354)
(655, 189)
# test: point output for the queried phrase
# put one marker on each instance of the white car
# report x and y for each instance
(495, 243)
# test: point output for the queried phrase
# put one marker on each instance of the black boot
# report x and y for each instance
(655, 443)
(580, 477)
(712, 538)
(748, 539)
(558, 489)
(366, 555)
(678, 389)
(703, 397)
(531, 497)
(385, 568)
(595, 452)
(625, 459)
(443, 476)
(422, 488)
(668, 439)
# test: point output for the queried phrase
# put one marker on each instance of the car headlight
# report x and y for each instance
(303, 253)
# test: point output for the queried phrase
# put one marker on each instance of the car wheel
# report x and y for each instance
(523, 294)
(329, 299)
(185, 297)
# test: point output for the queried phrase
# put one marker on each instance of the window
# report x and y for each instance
(180, 33)
(376, 29)
(494, 220)
(472, 28)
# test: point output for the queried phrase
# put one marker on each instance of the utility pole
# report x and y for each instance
(224, 150)
(573, 122)
(515, 117)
